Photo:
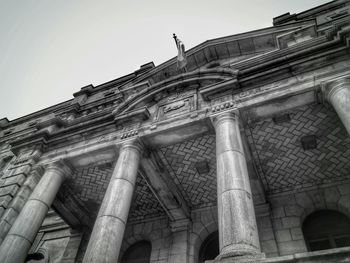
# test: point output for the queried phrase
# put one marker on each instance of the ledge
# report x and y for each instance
(328, 255)
(209, 92)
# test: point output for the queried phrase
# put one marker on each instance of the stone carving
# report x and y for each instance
(129, 134)
(226, 102)
(174, 106)
(176, 96)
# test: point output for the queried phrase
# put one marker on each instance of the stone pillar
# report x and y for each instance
(238, 234)
(107, 234)
(179, 250)
(18, 241)
(337, 93)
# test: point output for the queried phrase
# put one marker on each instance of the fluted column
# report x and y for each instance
(337, 93)
(18, 241)
(238, 234)
(108, 231)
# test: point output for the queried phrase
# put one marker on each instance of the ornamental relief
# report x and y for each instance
(232, 101)
(175, 105)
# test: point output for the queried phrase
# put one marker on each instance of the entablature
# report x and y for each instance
(179, 116)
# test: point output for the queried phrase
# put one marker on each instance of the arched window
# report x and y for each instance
(140, 252)
(209, 248)
(326, 229)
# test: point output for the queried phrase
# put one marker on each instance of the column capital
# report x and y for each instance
(63, 167)
(331, 87)
(133, 144)
(225, 116)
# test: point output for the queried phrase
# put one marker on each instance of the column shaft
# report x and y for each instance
(18, 241)
(107, 234)
(238, 235)
(338, 95)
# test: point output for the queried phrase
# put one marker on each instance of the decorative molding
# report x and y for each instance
(175, 105)
(129, 134)
(210, 91)
(328, 88)
(137, 115)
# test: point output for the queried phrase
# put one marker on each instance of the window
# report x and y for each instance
(140, 252)
(326, 229)
(210, 248)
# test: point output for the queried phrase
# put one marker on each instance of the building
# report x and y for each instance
(243, 157)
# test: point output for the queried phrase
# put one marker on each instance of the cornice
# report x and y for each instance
(37, 138)
(209, 91)
(223, 40)
(33, 140)
(137, 115)
(39, 114)
(339, 36)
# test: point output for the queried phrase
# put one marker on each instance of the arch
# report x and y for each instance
(140, 252)
(203, 77)
(325, 229)
(336, 206)
(209, 249)
(199, 234)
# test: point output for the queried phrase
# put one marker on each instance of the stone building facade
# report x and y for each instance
(245, 157)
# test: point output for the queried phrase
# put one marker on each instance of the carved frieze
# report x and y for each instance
(232, 101)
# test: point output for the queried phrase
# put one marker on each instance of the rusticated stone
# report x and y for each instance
(18, 241)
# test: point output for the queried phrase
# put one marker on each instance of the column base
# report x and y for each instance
(260, 257)
(238, 250)
(240, 254)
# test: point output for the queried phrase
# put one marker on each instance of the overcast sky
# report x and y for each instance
(52, 48)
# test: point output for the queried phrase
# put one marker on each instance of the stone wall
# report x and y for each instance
(280, 232)
(204, 222)
(19, 177)
(56, 241)
(167, 245)
(267, 235)
(289, 210)
(156, 231)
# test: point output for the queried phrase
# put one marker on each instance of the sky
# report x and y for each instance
(49, 49)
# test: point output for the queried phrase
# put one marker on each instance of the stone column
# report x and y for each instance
(18, 241)
(238, 234)
(107, 234)
(337, 93)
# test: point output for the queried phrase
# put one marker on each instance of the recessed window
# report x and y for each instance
(309, 142)
(326, 229)
(278, 119)
(202, 167)
(210, 248)
(140, 252)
